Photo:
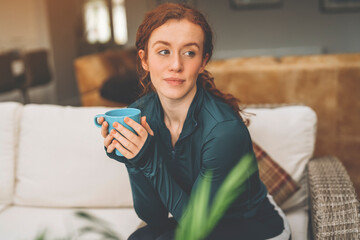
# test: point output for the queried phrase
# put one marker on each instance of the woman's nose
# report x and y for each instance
(176, 64)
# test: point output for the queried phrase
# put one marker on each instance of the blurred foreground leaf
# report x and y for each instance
(96, 226)
(199, 218)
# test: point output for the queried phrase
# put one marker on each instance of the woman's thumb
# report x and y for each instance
(146, 126)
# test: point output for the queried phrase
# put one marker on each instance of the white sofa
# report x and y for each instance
(52, 163)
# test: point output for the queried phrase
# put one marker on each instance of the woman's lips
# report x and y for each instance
(174, 81)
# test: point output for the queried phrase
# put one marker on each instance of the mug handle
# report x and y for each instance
(95, 119)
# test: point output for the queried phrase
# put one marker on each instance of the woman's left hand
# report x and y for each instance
(128, 143)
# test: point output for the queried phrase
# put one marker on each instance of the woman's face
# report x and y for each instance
(175, 59)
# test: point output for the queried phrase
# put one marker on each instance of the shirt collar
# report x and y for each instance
(191, 120)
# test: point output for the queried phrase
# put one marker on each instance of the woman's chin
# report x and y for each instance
(174, 94)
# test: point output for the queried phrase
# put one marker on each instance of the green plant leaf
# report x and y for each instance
(97, 226)
(191, 223)
(41, 235)
(202, 205)
(199, 218)
(231, 188)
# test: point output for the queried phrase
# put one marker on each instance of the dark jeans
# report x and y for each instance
(228, 230)
(223, 233)
(155, 233)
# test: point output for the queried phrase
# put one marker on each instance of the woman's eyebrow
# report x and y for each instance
(161, 42)
(168, 44)
(192, 44)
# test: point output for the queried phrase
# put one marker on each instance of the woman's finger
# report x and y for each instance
(123, 150)
(104, 129)
(110, 148)
(146, 126)
(100, 120)
(136, 126)
(124, 142)
(126, 132)
(107, 140)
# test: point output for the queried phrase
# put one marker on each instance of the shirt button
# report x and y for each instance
(173, 153)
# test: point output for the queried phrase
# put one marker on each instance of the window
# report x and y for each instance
(105, 21)
(119, 18)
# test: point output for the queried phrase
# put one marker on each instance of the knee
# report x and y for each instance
(151, 214)
(144, 233)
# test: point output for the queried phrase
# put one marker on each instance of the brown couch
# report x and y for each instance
(330, 84)
(92, 71)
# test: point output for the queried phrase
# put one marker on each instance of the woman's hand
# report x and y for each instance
(105, 133)
(128, 143)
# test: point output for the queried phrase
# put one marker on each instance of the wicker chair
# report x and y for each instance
(333, 202)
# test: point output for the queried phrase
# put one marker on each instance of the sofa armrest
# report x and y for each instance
(3, 207)
(333, 201)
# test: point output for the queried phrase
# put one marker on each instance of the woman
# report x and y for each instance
(187, 128)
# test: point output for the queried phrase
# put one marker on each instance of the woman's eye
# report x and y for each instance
(190, 53)
(164, 52)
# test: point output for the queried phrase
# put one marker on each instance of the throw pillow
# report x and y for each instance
(287, 134)
(278, 182)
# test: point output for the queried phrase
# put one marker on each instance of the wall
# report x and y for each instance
(135, 11)
(298, 27)
(63, 19)
(295, 28)
(23, 25)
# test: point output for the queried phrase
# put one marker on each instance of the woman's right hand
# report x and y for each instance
(105, 133)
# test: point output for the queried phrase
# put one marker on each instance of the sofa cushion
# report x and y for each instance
(300, 199)
(62, 162)
(9, 127)
(3, 207)
(287, 134)
(299, 222)
(62, 223)
(277, 181)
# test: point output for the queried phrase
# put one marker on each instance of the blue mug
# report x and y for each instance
(118, 115)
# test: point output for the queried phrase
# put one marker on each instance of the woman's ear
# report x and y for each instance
(204, 62)
(143, 60)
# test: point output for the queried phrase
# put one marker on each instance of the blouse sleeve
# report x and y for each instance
(147, 203)
(224, 147)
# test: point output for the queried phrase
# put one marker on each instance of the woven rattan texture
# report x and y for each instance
(335, 207)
